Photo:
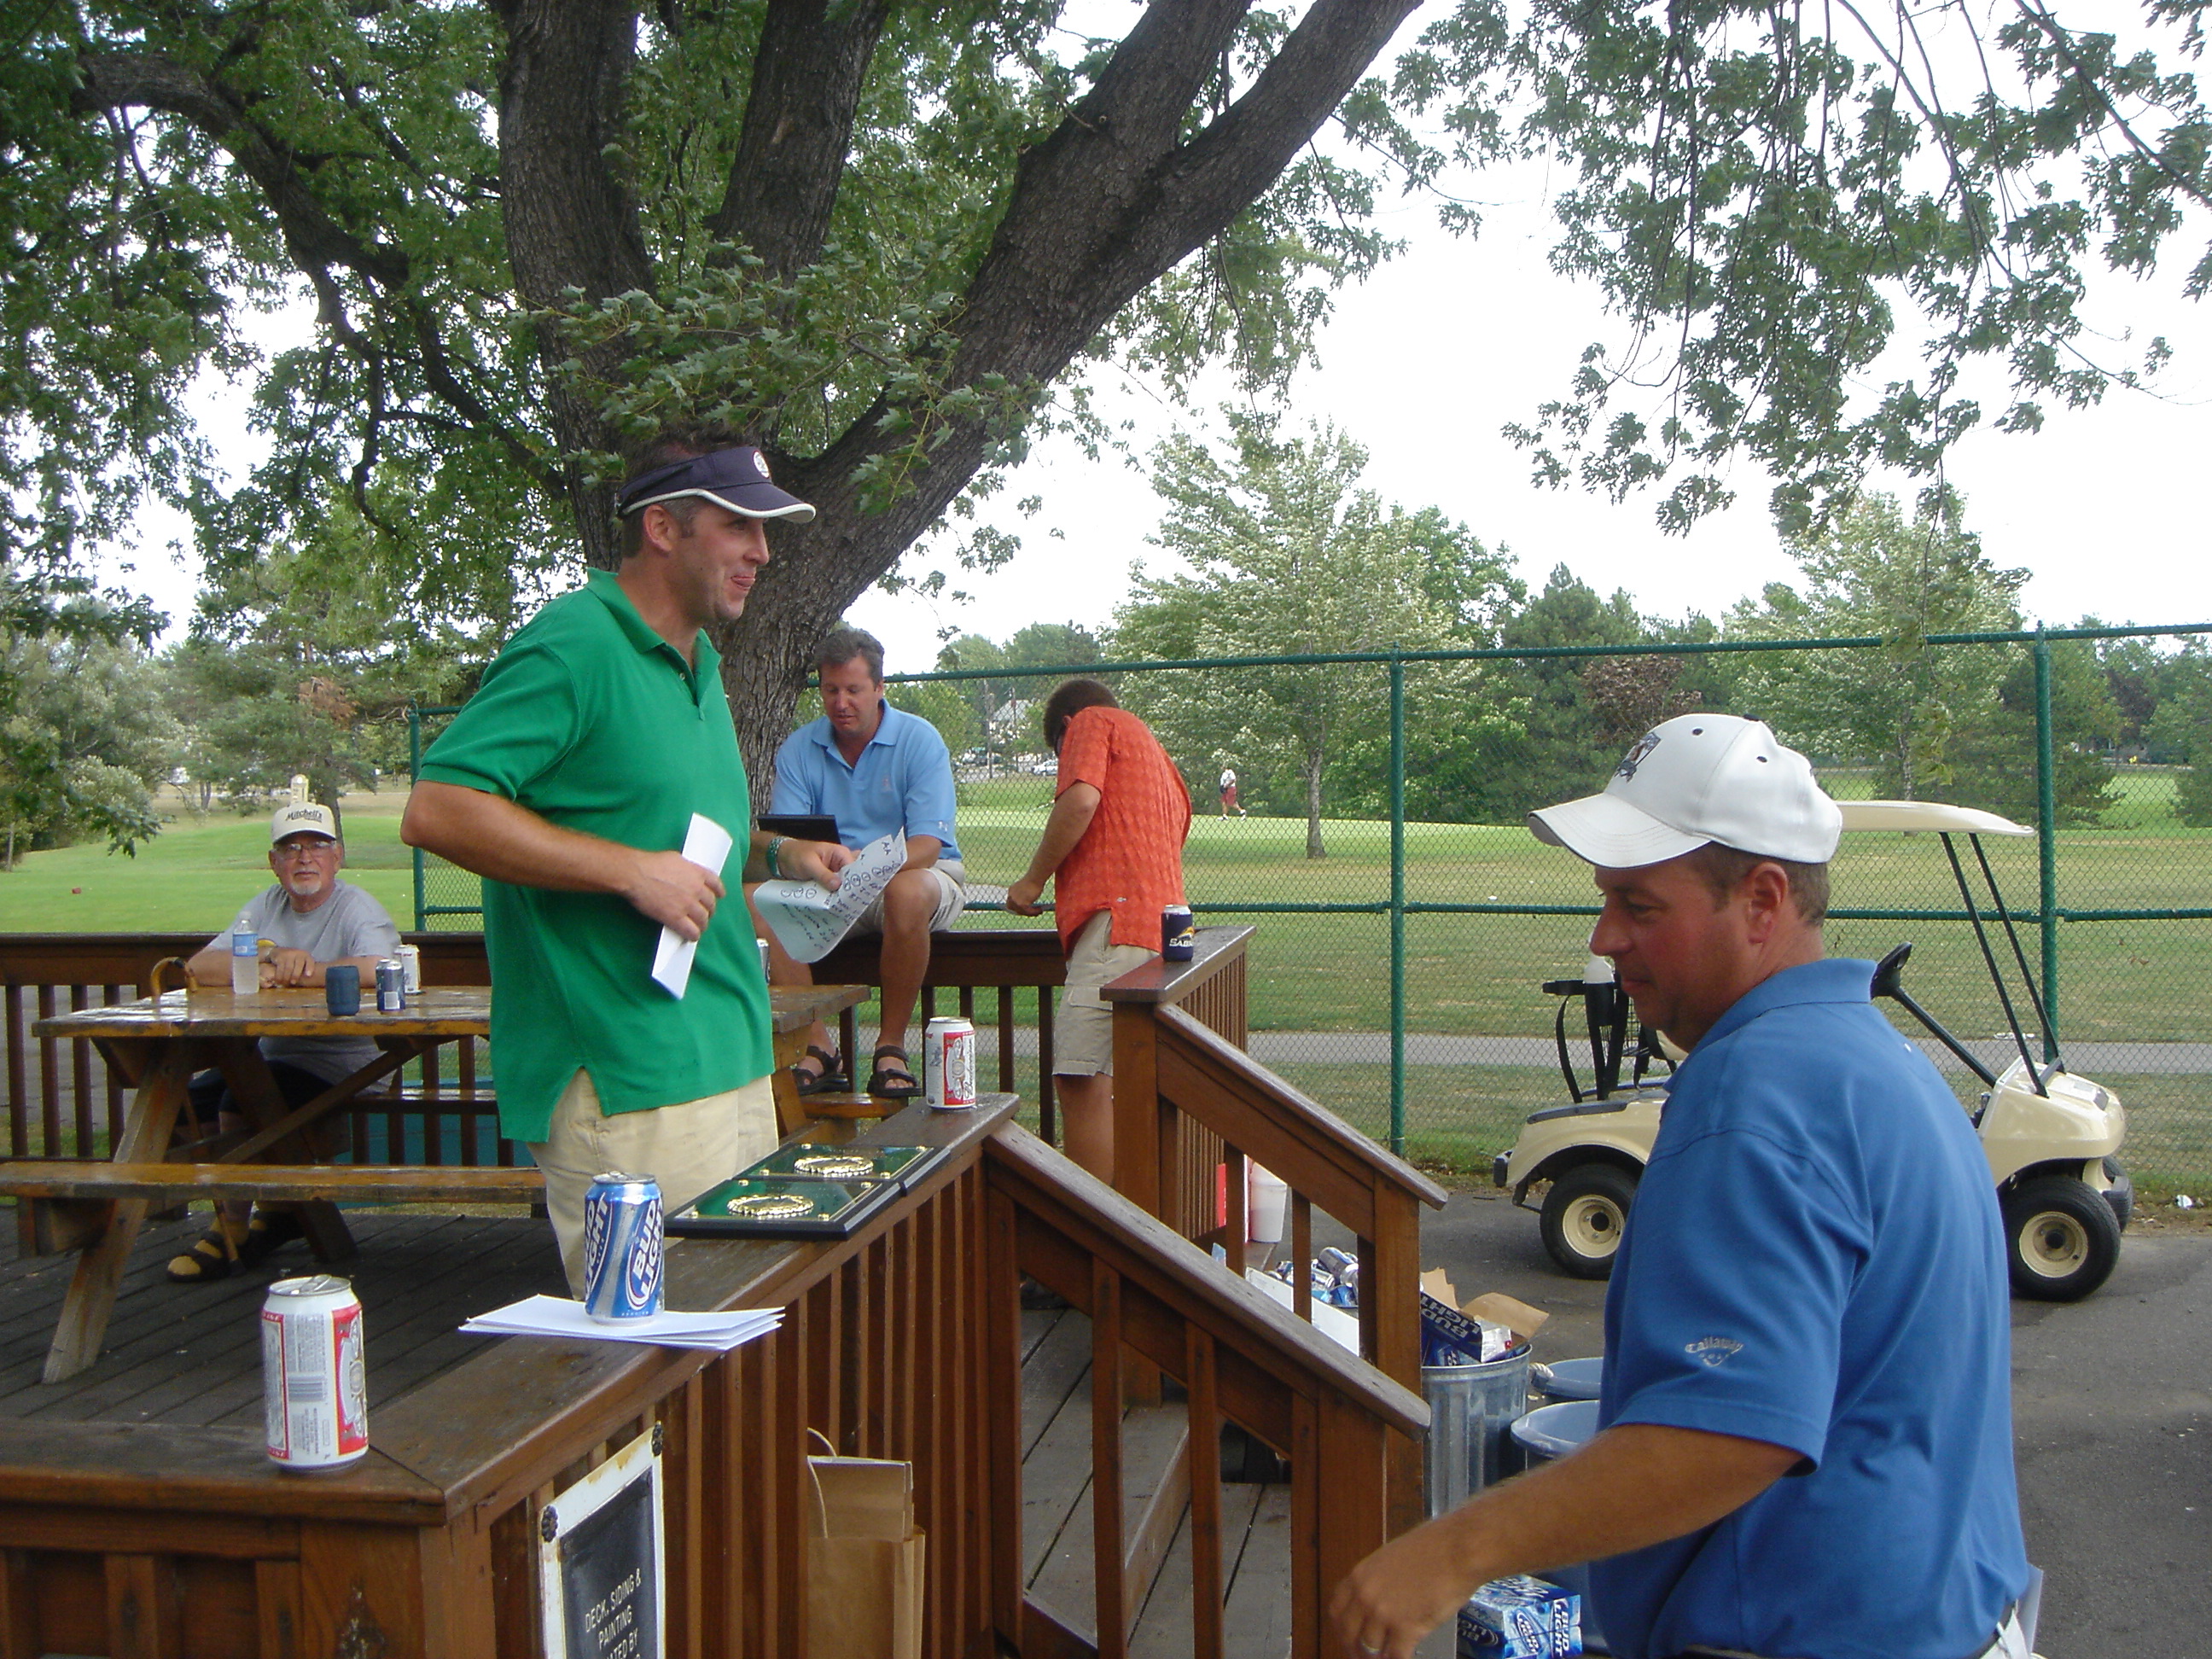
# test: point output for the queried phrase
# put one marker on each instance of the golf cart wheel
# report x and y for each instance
(2061, 1238)
(1583, 1216)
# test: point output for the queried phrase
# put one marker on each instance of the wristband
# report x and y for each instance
(774, 868)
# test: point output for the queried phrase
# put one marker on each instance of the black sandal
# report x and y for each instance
(212, 1256)
(830, 1079)
(881, 1085)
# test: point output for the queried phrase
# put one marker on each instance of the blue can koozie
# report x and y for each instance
(622, 1247)
(342, 988)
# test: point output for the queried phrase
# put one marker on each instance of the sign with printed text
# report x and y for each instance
(601, 1579)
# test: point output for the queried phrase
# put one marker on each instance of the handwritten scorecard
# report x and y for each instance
(808, 918)
(601, 1559)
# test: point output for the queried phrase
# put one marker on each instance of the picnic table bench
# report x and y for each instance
(157, 1043)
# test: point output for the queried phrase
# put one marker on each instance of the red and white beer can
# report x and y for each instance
(948, 1063)
(314, 1376)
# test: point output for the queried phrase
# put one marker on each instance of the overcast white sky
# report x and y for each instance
(1423, 365)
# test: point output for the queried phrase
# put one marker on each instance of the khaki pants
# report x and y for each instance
(687, 1147)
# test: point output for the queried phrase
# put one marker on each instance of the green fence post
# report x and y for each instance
(1397, 903)
(414, 771)
(2047, 836)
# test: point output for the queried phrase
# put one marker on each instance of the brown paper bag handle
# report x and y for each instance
(818, 1509)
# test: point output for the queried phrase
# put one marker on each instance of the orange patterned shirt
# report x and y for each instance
(1130, 860)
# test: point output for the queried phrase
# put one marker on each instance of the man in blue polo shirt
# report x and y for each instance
(875, 769)
(1805, 1442)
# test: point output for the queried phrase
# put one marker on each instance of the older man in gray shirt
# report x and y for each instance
(314, 922)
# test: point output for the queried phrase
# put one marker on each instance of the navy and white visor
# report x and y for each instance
(735, 479)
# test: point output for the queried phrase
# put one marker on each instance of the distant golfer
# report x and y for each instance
(1229, 793)
(1805, 1428)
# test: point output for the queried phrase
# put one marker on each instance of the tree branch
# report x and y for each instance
(808, 76)
(115, 79)
(1113, 199)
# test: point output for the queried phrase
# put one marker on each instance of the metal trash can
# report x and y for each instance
(1471, 1408)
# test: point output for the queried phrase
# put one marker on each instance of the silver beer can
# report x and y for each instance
(623, 1246)
(391, 987)
(314, 1374)
(948, 1063)
(410, 970)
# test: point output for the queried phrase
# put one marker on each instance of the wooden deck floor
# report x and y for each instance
(192, 1353)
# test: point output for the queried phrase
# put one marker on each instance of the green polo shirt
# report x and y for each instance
(596, 723)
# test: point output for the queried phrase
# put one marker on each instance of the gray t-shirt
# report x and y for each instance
(349, 923)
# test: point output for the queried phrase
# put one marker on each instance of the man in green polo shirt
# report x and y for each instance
(569, 783)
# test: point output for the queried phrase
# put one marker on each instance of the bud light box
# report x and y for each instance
(1521, 1617)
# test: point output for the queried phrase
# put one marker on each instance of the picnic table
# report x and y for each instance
(156, 1045)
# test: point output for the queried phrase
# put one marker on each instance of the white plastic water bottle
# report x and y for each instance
(245, 958)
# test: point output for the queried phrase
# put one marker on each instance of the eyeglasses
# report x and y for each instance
(303, 849)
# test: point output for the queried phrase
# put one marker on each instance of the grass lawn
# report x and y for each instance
(2118, 982)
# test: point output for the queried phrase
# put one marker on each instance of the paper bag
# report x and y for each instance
(864, 1559)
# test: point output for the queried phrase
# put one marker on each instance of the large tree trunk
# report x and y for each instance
(571, 219)
(1115, 197)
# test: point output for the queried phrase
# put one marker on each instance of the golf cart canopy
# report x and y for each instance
(1926, 815)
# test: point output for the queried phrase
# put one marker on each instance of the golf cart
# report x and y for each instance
(2051, 1137)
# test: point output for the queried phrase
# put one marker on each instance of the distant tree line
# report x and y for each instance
(1287, 555)
(306, 663)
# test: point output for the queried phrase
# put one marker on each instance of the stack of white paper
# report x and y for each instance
(553, 1315)
(808, 919)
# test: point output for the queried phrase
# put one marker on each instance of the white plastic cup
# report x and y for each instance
(1267, 1197)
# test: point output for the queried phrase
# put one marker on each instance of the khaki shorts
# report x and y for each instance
(1083, 1035)
(951, 899)
(687, 1148)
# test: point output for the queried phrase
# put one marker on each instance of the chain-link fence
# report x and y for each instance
(1406, 918)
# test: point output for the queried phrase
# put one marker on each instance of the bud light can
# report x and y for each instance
(948, 1064)
(1178, 933)
(622, 1247)
(391, 987)
(314, 1376)
(410, 970)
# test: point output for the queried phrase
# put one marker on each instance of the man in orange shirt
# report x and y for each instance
(1113, 849)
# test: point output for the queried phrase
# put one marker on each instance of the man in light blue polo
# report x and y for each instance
(875, 769)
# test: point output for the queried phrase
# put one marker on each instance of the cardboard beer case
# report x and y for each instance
(1521, 1617)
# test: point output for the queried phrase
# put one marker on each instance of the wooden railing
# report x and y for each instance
(62, 1102)
(902, 1342)
(1191, 1107)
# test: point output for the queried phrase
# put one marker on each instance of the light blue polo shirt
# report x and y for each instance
(903, 780)
(1814, 1260)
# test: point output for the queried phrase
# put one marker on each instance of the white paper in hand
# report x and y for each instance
(706, 844)
(808, 919)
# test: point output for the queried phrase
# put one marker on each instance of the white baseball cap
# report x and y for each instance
(1695, 780)
(302, 817)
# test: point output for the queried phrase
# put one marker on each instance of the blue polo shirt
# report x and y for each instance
(903, 780)
(1814, 1260)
